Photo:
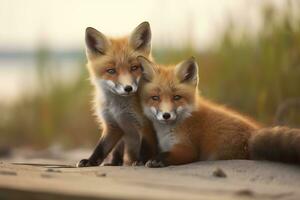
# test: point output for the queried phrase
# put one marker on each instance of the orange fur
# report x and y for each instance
(210, 132)
(207, 131)
(119, 55)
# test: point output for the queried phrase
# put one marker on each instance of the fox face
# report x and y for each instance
(170, 93)
(112, 63)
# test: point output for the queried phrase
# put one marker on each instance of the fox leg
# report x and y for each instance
(117, 155)
(131, 150)
(149, 144)
(179, 154)
(111, 135)
(149, 149)
(146, 152)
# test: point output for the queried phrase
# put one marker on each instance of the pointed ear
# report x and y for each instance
(96, 42)
(187, 71)
(140, 38)
(147, 67)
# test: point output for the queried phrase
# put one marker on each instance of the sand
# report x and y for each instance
(233, 179)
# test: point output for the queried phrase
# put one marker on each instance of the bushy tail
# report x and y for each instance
(276, 144)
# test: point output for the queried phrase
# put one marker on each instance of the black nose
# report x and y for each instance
(166, 115)
(128, 88)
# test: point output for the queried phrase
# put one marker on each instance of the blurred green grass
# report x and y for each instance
(253, 75)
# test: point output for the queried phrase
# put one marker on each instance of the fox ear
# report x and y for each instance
(96, 42)
(187, 71)
(140, 38)
(147, 67)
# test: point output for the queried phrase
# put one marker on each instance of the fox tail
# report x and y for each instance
(280, 144)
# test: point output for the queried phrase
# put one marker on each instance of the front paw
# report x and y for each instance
(155, 164)
(138, 163)
(85, 163)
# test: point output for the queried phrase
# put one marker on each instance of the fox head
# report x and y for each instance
(112, 63)
(169, 94)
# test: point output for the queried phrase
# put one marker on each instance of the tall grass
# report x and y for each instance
(251, 74)
(57, 113)
(257, 74)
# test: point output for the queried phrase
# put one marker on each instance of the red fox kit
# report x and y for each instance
(190, 128)
(116, 76)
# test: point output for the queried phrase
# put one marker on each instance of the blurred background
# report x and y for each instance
(248, 53)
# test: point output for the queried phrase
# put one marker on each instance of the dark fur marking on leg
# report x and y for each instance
(145, 152)
(117, 155)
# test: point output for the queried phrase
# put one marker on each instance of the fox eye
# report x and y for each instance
(111, 71)
(134, 68)
(176, 97)
(155, 98)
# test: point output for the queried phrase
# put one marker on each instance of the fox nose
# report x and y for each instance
(128, 88)
(166, 115)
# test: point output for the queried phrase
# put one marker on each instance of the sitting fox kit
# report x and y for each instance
(190, 128)
(116, 75)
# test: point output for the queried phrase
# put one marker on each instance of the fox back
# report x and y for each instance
(191, 128)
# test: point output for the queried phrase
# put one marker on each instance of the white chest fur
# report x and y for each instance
(121, 110)
(166, 136)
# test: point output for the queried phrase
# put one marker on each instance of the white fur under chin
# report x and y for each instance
(166, 136)
(165, 129)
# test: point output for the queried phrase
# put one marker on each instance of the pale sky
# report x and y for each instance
(61, 23)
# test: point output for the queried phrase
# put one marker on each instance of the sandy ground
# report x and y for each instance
(58, 179)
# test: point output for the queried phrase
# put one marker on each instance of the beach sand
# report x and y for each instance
(38, 178)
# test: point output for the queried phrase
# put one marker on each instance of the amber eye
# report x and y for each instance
(155, 98)
(134, 68)
(176, 97)
(111, 71)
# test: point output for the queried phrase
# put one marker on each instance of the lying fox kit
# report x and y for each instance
(116, 75)
(190, 128)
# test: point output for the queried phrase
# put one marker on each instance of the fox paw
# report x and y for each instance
(155, 164)
(138, 163)
(85, 163)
